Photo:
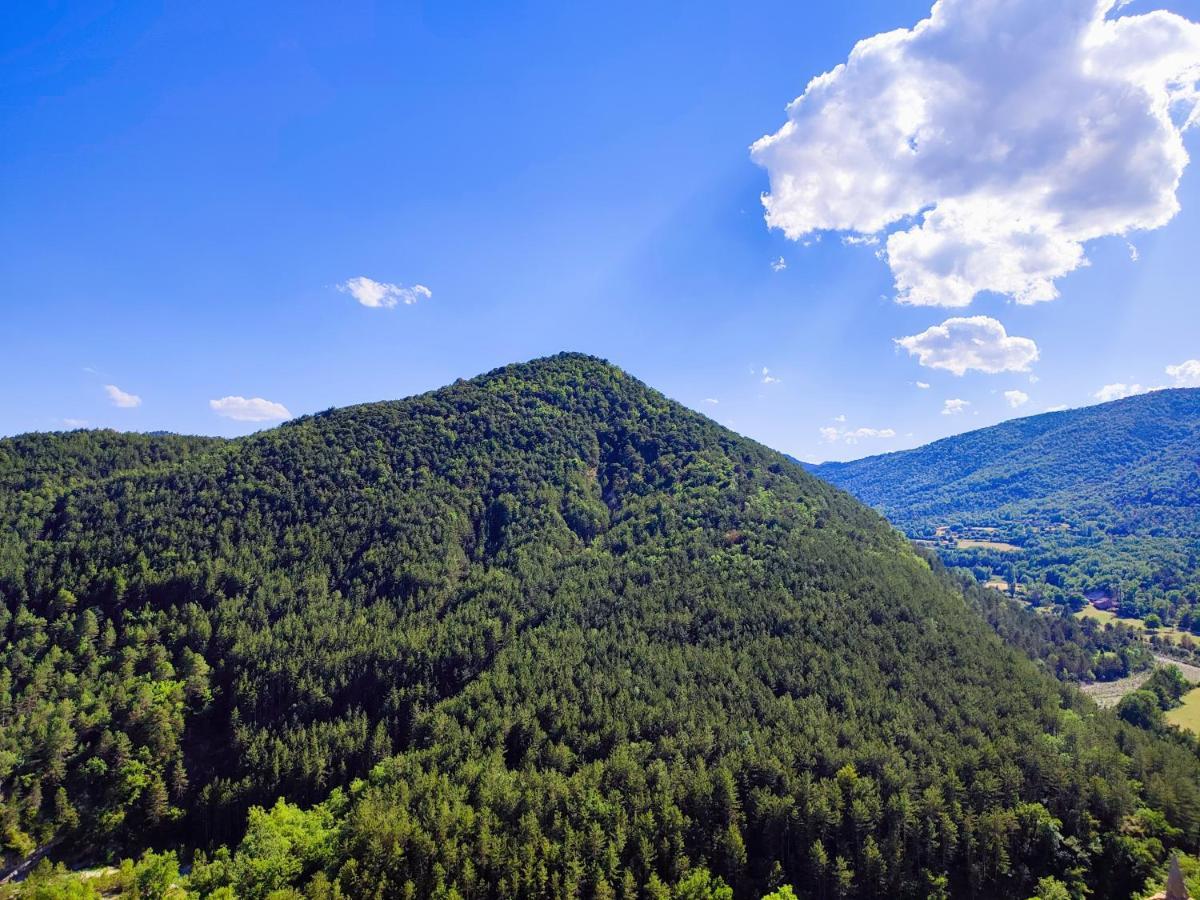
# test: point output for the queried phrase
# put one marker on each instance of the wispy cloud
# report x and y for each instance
(779, 264)
(832, 434)
(249, 409)
(120, 398)
(768, 378)
(1016, 399)
(954, 407)
(975, 342)
(962, 150)
(860, 240)
(381, 294)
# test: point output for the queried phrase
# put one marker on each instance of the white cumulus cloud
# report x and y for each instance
(768, 378)
(972, 342)
(1186, 373)
(993, 140)
(954, 407)
(713, 400)
(120, 398)
(1016, 398)
(381, 295)
(1120, 390)
(923, 385)
(249, 409)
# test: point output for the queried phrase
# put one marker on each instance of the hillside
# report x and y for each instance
(1102, 501)
(542, 633)
(1131, 466)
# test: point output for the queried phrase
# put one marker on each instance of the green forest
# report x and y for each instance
(543, 633)
(1095, 502)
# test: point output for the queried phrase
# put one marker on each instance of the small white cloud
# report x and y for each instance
(1186, 373)
(713, 400)
(381, 295)
(1133, 251)
(120, 398)
(853, 435)
(768, 378)
(857, 433)
(841, 418)
(994, 140)
(1016, 398)
(860, 240)
(778, 265)
(75, 423)
(1033, 379)
(249, 409)
(1059, 408)
(1119, 391)
(974, 342)
(923, 385)
(954, 407)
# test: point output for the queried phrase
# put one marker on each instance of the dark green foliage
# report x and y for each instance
(555, 636)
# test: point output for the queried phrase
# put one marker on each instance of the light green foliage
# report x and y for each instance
(1050, 888)
(281, 845)
(699, 884)
(156, 877)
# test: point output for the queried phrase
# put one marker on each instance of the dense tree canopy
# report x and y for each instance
(542, 633)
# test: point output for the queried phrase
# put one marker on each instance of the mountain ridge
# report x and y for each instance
(539, 633)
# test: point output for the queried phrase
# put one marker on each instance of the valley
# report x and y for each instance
(1090, 512)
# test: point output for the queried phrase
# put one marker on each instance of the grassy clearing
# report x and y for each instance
(1001, 585)
(1188, 715)
(1002, 546)
(1104, 616)
(1174, 635)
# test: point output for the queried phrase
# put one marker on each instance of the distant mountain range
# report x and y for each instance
(1131, 466)
(1093, 504)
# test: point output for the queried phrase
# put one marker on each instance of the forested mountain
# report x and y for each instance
(543, 633)
(1103, 500)
(1131, 466)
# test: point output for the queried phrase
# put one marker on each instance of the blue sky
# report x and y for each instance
(184, 187)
